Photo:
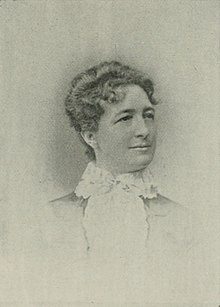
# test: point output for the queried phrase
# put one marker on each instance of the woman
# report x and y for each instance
(116, 220)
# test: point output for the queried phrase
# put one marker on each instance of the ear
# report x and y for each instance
(90, 138)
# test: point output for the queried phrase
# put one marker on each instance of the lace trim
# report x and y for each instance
(97, 181)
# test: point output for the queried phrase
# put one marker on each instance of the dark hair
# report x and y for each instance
(96, 86)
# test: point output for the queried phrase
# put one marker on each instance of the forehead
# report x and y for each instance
(135, 98)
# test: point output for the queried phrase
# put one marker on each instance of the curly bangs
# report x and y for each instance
(96, 86)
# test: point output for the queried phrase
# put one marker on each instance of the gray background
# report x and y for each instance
(45, 43)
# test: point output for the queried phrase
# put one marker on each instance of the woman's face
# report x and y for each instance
(126, 138)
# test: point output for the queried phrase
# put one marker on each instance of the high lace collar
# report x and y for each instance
(98, 181)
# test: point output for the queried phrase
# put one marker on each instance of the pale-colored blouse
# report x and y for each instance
(116, 241)
(116, 216)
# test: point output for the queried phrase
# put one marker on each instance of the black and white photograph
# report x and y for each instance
(109, 182)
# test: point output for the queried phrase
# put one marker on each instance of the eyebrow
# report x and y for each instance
(133, 111)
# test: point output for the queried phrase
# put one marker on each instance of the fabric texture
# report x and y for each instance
(97, 181)
(104, 240)
(116, 218)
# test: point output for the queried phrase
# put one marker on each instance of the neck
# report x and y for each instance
(115, 171)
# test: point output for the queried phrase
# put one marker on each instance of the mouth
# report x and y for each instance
(141, 147)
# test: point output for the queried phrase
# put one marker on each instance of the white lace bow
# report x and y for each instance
(97, 181)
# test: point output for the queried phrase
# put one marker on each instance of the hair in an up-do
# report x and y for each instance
(96, 86)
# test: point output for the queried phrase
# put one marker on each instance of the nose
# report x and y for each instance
(141, 129)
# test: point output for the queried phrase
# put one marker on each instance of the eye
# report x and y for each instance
(124, 119)
(149, 115)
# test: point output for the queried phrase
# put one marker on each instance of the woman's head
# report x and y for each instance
(97, 96)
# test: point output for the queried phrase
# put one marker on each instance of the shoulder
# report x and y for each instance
(163, 206)
(178, 221)
(61, 227)
(65, 206)
(69, 199)
(174, 212)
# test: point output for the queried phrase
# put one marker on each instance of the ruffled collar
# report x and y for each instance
(97, 181)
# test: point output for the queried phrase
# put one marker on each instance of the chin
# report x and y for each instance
(140, 158)
(142, 162)
(140, 165)
(133, 163)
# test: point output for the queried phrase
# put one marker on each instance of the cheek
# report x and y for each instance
(114, 139)
(153, 131)
(154, 135)
(109, 141)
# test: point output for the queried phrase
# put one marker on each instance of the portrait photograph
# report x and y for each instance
(109, 158)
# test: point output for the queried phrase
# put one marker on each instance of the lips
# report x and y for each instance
(141, 146)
